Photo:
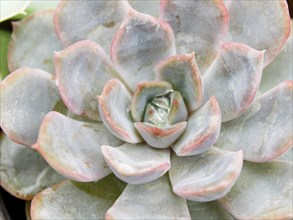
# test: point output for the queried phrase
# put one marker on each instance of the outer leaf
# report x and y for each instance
(139, 44)
(24, 172)
(160, 137)
(89, 20)
(114, 110)
(154, 200)
(264, 131)
(234, 78)
(202, 131)
(73, 200)
(73, 148)
(205, 177)
(279, 69)
(263, 191)
(207, 211)
(137, 164)
(26, 96)
(288, 156)
(260, 24)
(86, 66)
(20, 53)
(149, 7)
(182, 72)
(199, 26)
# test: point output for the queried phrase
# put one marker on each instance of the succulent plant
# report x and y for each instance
(192, 112)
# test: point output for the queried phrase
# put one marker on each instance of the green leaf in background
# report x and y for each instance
(4, 40)
(12, 8)
(37, 5)
(19, 9)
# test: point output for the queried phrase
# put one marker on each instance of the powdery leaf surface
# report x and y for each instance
(280, 69)
(137, 164)
(82, 70)
(24, 172)
(114, 106)
(160, 137)
(154, 200)
(263, 191)
(234, 78)
(205, 177)
(140, 43)
(183, 74)
(31, 48)
(27, 95)
(151, 7)
(73, 200)
(208, 211)
(260, 24)
(264, 131)
(202, 130)
(89, 20)
(73, 148)
(199, 26)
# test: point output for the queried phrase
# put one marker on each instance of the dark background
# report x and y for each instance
(16, 207)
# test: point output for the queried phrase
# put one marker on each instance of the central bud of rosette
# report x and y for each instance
(159, 113)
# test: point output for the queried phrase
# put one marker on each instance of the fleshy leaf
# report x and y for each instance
(178, 111)
(139, 44)
(12, 8)
(263, 191)
(199, 26)
(154, 200)
(202, 131)
(25, 51)
(23, 171)
(182, 72)
(27, 95)
(264, 131)
(279, 69)
(207, 211)
(137, 164)
(288, 156)
(260, 24)
(149, 7)
(114, 109)
(160, 137)
(73, 148)
(89, 20)
(86, 66)
(207, 176)
(144, 93)
(73, 200)
(234, 78)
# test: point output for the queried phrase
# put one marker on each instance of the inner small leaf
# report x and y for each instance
(158, 109)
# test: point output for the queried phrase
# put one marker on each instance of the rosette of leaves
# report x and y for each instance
(175, 106)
